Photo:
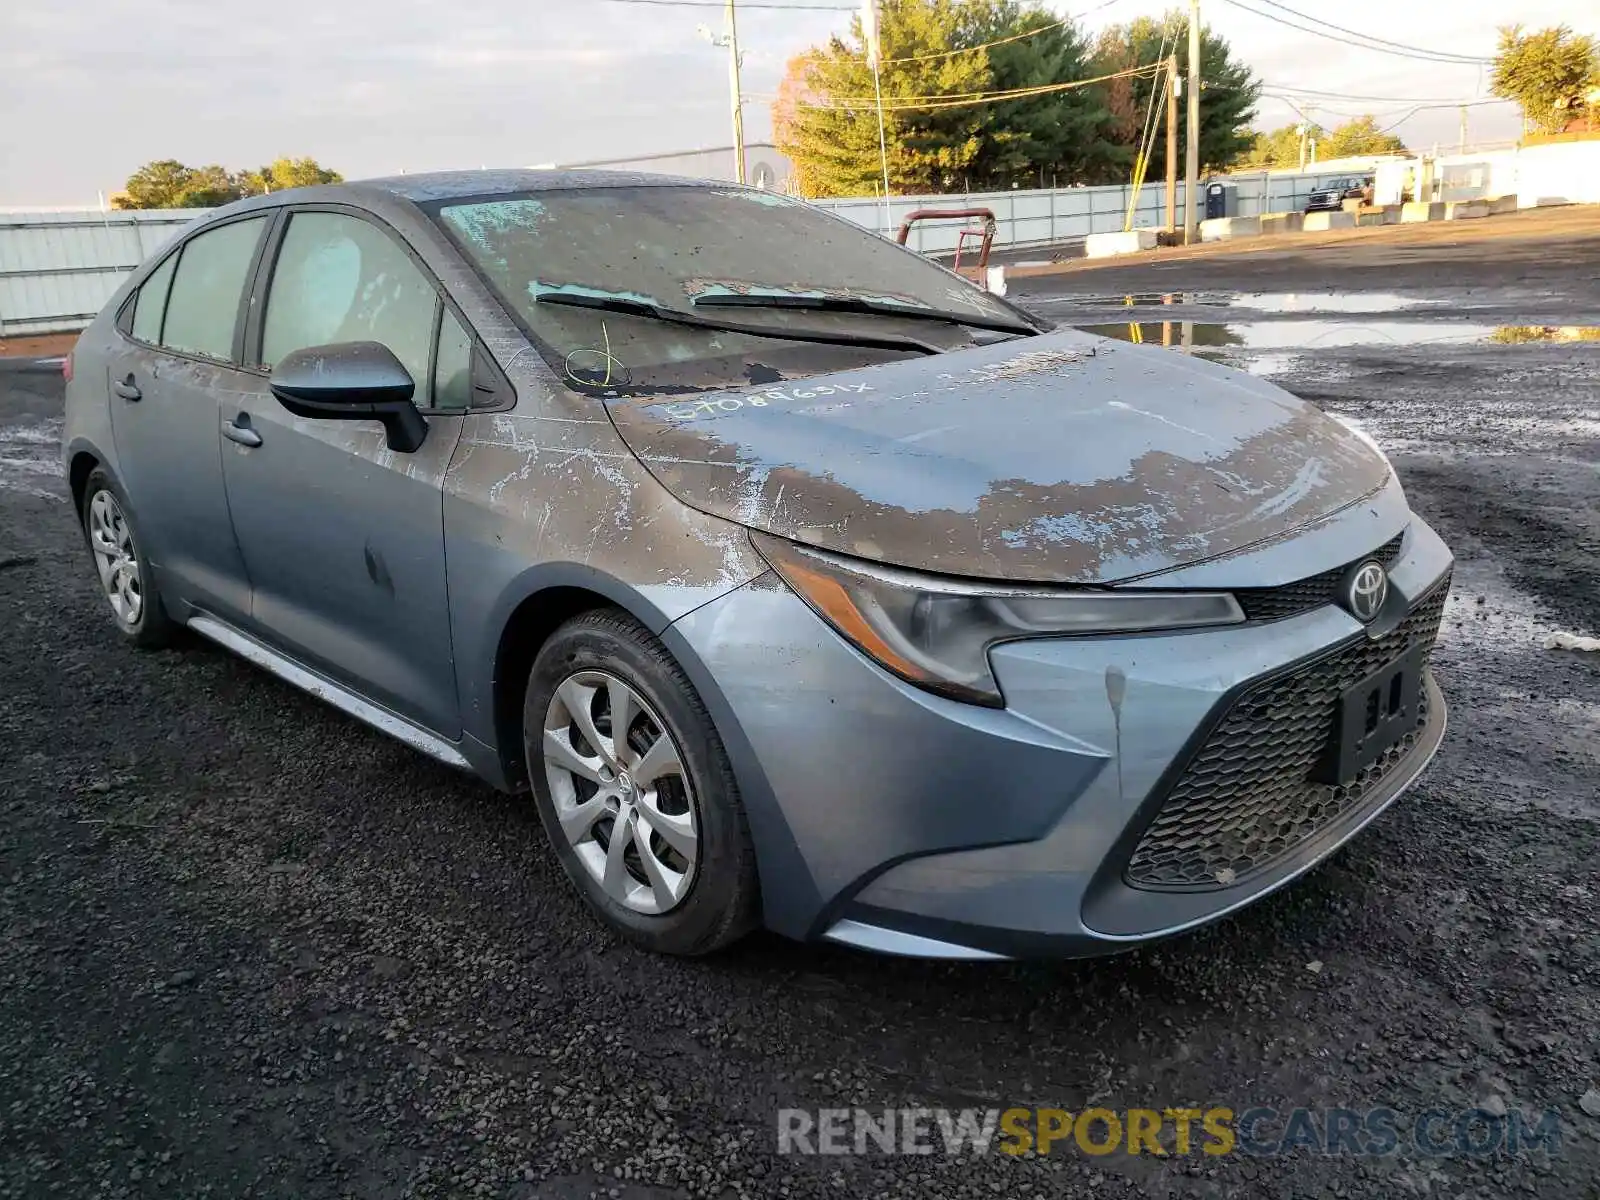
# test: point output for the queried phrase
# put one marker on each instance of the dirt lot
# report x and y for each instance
(251, 948)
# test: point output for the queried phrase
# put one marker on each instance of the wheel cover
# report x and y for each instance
(621, 794)
(115, 557)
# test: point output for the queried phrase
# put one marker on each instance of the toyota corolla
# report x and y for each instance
(801, 582)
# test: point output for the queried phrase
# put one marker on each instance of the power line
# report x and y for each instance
(1471, 58)
(1415, 105)
(961, 99)
(1425, 56)
(1420, 107)
(1005, 41)
(1281, 88)
(1017, 37)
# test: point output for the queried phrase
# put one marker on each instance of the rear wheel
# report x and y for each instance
(635, 790)
(125, 575)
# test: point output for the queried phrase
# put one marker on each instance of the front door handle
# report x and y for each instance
(127, 389)
(239, 430)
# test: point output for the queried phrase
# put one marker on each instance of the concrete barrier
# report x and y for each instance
(1219, 229)
(1502, 204)
(1288, 222)
(1372, 216)
(1104, 245)
(1421, 210)
(1465, 210)
(1316, 222)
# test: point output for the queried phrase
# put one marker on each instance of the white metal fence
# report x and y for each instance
(57, 269)
(1040, 217)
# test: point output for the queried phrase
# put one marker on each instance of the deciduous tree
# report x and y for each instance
(168, 183)
(1279, 148)
(1356, 137)
(1547, 73)
(286, 173)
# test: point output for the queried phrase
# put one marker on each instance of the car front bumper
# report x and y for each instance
(895, 820)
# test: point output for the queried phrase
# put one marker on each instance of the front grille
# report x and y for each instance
(1250, 793)
(1292, 599)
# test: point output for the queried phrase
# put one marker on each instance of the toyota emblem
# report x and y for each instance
(1365, 590)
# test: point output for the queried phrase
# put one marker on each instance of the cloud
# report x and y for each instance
(375, 86)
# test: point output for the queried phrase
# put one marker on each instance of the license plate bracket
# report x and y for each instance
(1375, 714)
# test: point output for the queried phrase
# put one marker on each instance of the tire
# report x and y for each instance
(129, 586)
(685, 800)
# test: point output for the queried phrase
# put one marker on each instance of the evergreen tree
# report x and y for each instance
(1229, 90)
(1062, 135)
(827, 121)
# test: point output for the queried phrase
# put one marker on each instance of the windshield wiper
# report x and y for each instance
(858, 304)
(659, 312)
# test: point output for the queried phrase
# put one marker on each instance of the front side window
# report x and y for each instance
(151, 303)
(341, 279)
(590, 272)
(203, 307)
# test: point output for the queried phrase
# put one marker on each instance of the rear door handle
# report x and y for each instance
(127, 389)
(239, 430)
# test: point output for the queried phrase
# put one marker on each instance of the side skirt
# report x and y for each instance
(325, 689)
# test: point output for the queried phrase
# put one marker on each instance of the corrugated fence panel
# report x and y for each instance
(57, 269)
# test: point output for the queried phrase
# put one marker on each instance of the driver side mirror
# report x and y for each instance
(352, 381)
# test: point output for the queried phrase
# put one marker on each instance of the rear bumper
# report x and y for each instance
(895, 820)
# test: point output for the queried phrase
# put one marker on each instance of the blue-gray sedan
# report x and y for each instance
(803, 583)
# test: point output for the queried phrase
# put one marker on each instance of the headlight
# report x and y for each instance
(936, 632)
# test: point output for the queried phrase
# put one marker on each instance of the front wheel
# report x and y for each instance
(635, 790)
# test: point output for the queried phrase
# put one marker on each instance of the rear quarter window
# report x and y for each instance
(150, 305)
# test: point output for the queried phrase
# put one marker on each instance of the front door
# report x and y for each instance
(342, 537)
(175, 361)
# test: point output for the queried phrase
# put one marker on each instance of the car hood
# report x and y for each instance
(1063, 458)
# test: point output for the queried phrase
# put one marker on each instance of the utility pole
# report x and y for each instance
(730, 39)
(870, 30)
(738, 93)
(1191, 172)
(1463, 147)
(1172, 146)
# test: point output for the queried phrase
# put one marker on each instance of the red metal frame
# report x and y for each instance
(990, 226)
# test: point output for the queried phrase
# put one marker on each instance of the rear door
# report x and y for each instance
(178, 355)
(342, 537)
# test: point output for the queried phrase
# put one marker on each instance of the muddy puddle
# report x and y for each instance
(1314, 334)
(1264, 302)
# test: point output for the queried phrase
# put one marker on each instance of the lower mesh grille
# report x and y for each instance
(1250, 793)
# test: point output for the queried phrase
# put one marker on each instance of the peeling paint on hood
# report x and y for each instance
(1064, 458)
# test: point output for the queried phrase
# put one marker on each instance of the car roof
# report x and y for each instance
(446, 185)
(389, 193)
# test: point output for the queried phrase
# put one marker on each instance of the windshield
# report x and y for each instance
(552, 256)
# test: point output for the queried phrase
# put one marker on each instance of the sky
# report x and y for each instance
(91, 89)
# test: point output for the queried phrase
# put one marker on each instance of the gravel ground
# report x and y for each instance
(251, 948)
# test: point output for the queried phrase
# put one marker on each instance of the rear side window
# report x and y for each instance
(341, 279)
(151, 302)
(203, 307)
